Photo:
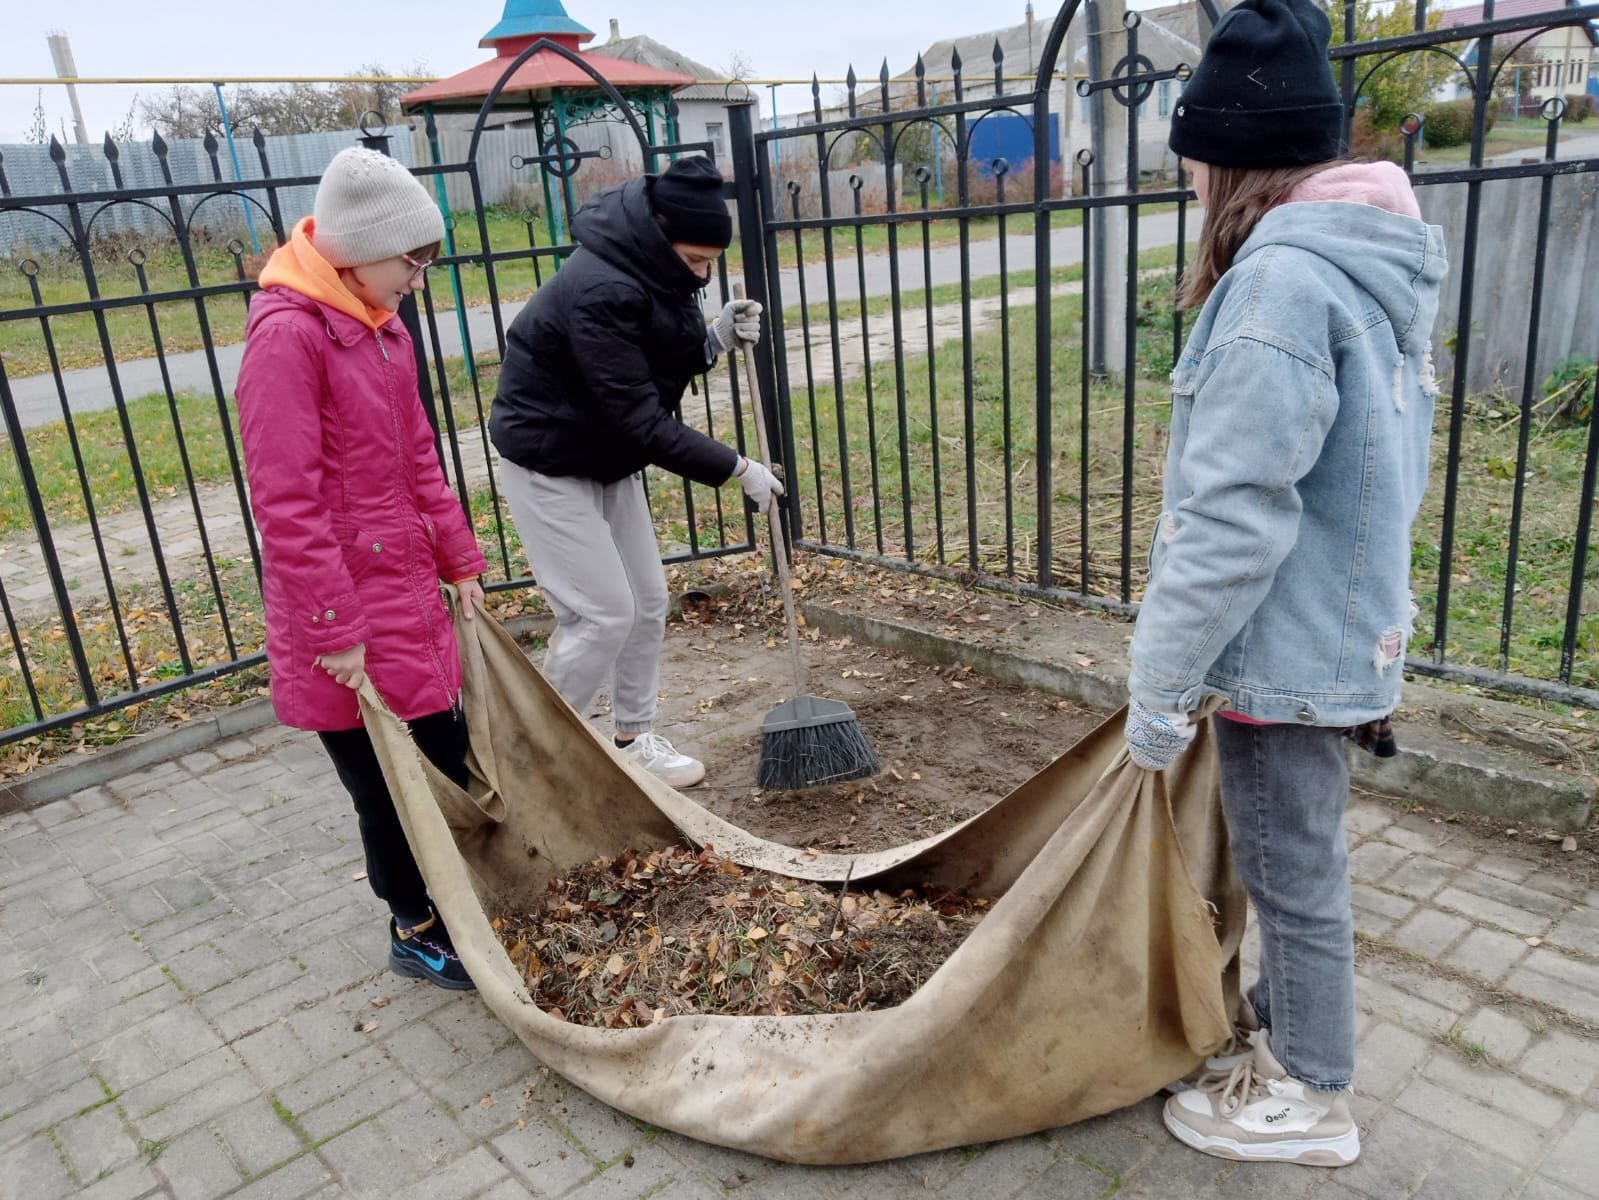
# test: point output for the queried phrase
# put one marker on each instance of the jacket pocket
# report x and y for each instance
(364, 555)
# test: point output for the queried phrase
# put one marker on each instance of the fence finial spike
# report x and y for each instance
(158, 144)
(258, 140)
(109, 147)
(58, 152)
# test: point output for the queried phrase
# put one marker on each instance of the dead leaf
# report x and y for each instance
(1534, 941)
(486, 1102)
(1569, 844)
(357, 877)
(616, 964)
(380, 1001)
(366, 1026)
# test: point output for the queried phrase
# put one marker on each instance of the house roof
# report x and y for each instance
(1471, 14)
(646, 51)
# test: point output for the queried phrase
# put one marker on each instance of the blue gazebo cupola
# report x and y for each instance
(525, 21)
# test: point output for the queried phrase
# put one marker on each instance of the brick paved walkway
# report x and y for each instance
(187, 1010)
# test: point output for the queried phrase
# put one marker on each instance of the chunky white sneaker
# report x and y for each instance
(658, 756)
(1240, 1047)
(1257, 1113)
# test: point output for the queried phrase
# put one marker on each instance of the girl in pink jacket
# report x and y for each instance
(358, 525)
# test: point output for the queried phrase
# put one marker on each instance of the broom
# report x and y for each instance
(808, 740)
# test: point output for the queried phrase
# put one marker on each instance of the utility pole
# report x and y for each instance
(61, 55)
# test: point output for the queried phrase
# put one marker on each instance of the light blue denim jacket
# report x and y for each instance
(1302, 414)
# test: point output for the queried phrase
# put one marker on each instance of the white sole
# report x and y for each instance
(1308, 1152)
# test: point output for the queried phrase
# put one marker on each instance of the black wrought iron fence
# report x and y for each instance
(971, 283)
(986, 406)
(129, 565)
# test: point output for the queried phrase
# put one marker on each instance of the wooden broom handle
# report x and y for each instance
(774, 522)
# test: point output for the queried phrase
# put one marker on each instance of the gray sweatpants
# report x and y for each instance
(593, 550)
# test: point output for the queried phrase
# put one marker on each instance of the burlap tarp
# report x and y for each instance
(1106, 968)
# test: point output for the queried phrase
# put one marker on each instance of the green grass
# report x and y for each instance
(1507, 136)
(80, 341)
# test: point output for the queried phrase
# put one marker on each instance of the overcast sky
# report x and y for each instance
(329, 37)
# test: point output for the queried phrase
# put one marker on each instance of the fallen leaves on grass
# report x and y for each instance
(629, 941)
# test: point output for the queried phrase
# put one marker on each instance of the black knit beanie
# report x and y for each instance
(688, 197)
(1263, 95)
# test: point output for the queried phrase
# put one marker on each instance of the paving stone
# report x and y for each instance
(260, 1009)
(134, 1180)
(126, 1060)
(1547, 1189)
(1572, 1160)
(199, 1075)
(37, 1162)
(513, 1189)
(543, 1155)
(298, 1177)
(1394, 1157)
(1495, 1087)
(1579, 931)
(466, 1177)
(1500, 1034)
(1421, 877)
(1512, 895)
(40, 1112)
(1370, 862)
(1500, 866)
(1477, 1123)
(95, 1142)
(602, 1131)
(1467, 1173)
(1560, 1061)
(1570, 986)
(1485, 910)
(1424, 984)
(1172, 1170)
(196, 1166)
(1109, 1145)
(1385, 904)
(356, 1102)
(1487, 953)
(257, 1136)
(1430, 932)
(371, 1164)
(1367, 817)
(1386, 1058)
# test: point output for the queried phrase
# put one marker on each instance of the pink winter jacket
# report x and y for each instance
(358, 525)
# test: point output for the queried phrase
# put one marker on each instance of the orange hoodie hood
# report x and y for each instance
(300, 267)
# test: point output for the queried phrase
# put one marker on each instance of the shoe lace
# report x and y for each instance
(1236, 1088)
(652, 745)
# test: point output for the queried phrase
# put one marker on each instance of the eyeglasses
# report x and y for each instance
(418, 265)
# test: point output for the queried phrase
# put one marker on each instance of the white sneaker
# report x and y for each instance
(1257, 1113)
(658, 756)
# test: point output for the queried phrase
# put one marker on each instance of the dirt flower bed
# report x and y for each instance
(632, 940)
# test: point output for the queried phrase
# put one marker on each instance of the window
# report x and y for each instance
(713, 135)
(1165, 97)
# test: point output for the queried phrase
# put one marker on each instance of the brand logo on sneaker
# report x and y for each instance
(435, 962)
(1273, 1118)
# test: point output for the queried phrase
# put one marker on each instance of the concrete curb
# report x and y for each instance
(62, 779)
(1430, 768)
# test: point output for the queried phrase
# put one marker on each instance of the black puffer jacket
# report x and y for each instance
(597, 363)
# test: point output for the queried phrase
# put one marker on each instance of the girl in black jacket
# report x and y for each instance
(595, 369)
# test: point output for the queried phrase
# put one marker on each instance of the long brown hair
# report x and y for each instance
(1239, 197)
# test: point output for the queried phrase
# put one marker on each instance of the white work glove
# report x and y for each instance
(739, 323)
(1156, 739)
(758, 482)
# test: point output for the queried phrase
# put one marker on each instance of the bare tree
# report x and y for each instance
(39, 130)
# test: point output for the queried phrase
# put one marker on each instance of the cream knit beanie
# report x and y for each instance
(370, 207)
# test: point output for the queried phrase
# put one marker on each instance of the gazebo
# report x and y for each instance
(553, 92)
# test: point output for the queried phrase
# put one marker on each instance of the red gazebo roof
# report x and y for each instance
(542, 73)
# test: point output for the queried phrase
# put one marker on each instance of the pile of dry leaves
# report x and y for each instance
(631, 940)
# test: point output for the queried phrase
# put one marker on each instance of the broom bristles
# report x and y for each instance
(808, 756)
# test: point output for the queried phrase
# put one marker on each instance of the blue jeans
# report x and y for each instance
(1284, 789)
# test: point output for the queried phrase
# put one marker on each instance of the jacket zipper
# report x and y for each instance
(427, 619)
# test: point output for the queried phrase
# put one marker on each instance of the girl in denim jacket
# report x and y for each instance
(1301, 419)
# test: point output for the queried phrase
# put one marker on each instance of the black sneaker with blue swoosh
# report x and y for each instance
(425, 951)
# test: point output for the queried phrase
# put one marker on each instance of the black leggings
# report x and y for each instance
(390, 866)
